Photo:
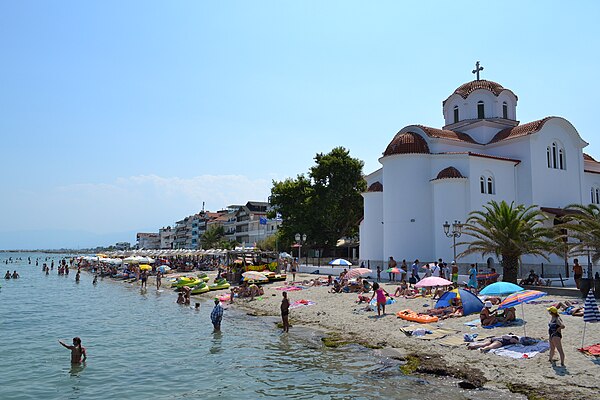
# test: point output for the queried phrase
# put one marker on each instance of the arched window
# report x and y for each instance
(554, 163)
(592, 193)
(455, 114)
(548, 157)
(504, 110)
(482, 184)
(480, 110)
(597, 196)
(490, 185)
(561, 159)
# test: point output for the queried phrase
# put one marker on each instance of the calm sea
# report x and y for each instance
(144, 346)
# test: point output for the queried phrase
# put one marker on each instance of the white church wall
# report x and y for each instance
(371, 228)
(449, 204)
(590, 181)
(375, 176)
(511, 102)
(554, 187)
(503, 177)
(407, 206)
(518, 149)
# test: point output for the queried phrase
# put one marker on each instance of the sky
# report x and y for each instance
(125, 116)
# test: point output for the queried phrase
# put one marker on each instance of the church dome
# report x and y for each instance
(469, 87)
(375, 187)
(406, 143)
(449, 172)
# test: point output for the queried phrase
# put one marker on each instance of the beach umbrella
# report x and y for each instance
(340, 262)
(285, 255)
(590, 312)
(501, 289)
(164, 268)
(356, 272)
(522, 297)
(255, 276)
(433, 281)
(145, 267)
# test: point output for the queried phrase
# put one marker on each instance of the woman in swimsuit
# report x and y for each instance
(555, 327)
(78, 354)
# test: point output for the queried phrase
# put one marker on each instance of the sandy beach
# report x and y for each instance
(444, 352)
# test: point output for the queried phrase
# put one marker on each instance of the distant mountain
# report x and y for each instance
(57, 239)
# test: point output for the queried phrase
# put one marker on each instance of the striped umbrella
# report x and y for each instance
(522, 297)
(590, 312)
(340, 262)
(395, 270)
(356, 272)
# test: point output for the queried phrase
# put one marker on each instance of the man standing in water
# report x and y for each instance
(217, 315)
(78, 354)
(285, 312)
(158, 279)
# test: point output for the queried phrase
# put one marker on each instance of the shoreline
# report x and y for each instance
(340, 317)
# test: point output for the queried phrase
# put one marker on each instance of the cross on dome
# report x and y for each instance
(477, 69)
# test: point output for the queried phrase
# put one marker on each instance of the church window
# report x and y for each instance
(480, 110)
(597, 196)
(482, 184)
(490, 185)
(554, 155)
(504, 110)
(561, 159)
(548, 157)
(455, 114)
(592, 193)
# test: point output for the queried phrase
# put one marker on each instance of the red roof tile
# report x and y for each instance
(449, 172)
(472, 154)
(406, 143)
(375, 187)
(587, 157)
(466, 89)
(519, 130)
(446, 134)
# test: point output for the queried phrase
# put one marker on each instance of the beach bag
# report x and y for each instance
(412, 280)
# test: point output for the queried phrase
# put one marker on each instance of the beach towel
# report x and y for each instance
(289, 288)
(516, 322)
(452, 340)
(475, 322)
(301, 303)
(593, 350)
(520, 351)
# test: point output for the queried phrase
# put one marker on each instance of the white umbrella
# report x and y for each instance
(340, 262)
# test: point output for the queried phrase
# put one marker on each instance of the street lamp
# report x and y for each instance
(456, 232)
(300, 239)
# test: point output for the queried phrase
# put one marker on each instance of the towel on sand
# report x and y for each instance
(289, 288)
(433, 332)
(516, 322)
(593, 350)
(301, 303)
(520, 351)
(475, 322)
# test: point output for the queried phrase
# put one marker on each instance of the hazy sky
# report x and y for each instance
(124, 116)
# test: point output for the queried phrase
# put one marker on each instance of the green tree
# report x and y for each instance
(212, 237)
(325, 205)
(270, 243)
(509, 231)
(583, 224)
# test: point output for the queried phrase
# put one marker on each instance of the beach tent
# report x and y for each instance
(471, 303)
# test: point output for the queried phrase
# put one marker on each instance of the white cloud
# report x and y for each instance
(132, 203)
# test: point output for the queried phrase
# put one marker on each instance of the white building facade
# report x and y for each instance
(429, 176)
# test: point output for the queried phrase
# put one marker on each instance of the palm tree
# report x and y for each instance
(584, 226)
(212, 236)
(509, 231)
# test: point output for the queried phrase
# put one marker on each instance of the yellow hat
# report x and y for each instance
(553, 310)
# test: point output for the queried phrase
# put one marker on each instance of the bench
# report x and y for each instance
(559, 279)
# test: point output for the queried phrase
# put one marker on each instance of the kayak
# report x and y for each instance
(218, 286)
(410, 315)
(179, 284)
(200, 288)
(204, 277)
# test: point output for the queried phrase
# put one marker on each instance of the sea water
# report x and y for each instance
(142, 345)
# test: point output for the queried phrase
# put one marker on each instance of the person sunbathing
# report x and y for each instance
(494, 343)
(569, 308)
(509, 315)
(458, 312)
(337, 288)
(366, 286)
(440, 311)
(438, 293)
(403, 290)
(487, 316)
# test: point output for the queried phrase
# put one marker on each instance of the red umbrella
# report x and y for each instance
(356, 272)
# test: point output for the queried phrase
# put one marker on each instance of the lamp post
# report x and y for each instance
(300, 239)
(456, 232)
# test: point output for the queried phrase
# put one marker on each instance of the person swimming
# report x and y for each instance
(7, 275)
(78, 354)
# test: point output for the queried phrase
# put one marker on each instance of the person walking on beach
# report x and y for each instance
(392, 264)
(555, 327)
(473, 277)
(216, 315)
(378, 273)
(78, 354)
(415, 272)
(285, 312)
(381, 299)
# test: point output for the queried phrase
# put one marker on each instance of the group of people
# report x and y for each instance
(489, 317)
(14, 275)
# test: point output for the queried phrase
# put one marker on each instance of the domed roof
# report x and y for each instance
(406, 143)
(466, 89)
(375, 187)
(449, 172)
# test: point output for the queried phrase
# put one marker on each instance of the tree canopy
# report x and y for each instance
(509, 231)
(326, 204)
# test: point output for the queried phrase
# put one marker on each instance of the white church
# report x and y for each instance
(429, 176)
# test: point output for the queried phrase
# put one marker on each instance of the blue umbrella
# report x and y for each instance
(501, 289)
(340, 262)
(590, 312)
